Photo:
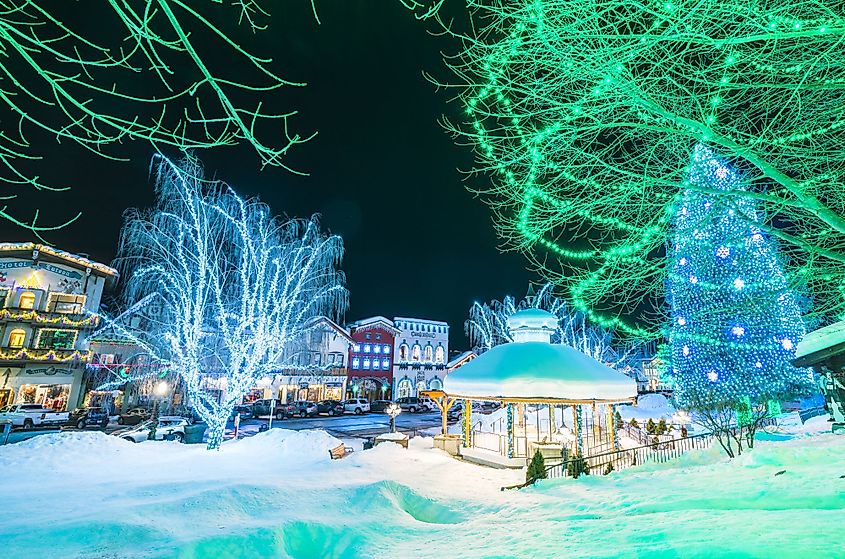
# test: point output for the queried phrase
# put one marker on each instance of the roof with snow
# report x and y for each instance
(820, 344)
(532, 318)
(541, 371)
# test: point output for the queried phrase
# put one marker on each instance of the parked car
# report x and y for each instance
(244, 410)
(83, 417)
(170, 427)
(413, 404)
(261, 408)
(134, 416)
(457, 410)
(29, 416)
(331, 407)
(356, 406)
(379, 405)
(304, 408)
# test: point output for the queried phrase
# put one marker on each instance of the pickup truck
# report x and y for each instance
(33, 415)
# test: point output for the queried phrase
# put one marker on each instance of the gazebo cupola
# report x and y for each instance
(532, 325)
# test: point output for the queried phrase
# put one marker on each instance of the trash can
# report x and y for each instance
(194, 433)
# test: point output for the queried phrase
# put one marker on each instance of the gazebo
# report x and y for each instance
(530, 378)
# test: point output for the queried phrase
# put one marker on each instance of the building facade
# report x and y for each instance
(420, 358)
(320, 370)
(371, 358)
(49, 301)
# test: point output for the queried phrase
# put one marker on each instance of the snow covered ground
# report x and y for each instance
(277, 494)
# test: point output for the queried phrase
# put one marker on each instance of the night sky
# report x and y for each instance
(383, 172)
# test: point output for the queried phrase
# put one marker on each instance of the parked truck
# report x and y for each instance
(30, 416)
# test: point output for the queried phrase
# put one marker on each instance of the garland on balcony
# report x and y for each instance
(6, 314)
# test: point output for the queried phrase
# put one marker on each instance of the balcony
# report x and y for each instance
(43, 318)
(46, 355)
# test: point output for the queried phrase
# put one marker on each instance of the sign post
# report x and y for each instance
(272, 411)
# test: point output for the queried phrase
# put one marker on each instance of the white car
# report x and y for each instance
(356, 406)
(33, 415)
(170, 427)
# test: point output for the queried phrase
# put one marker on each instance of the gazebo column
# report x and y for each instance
(551, 422)
(467, 422)
(576, 427)
(510, 430)
(596, 425)
(611, 422)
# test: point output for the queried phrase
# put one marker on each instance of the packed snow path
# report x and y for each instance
(88, 495)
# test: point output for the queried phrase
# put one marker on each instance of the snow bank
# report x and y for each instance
(278, 495)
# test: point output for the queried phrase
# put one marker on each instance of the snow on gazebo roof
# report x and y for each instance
(819, 340)
(541, 371)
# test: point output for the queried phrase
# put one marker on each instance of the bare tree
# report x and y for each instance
(236, 287)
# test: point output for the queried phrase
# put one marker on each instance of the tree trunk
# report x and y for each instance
(216, 430)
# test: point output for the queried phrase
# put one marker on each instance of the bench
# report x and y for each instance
(339, 451)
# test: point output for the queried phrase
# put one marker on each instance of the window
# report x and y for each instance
(435, 384)
(429, 353)
(416, 352)
(367, 336)
(106, 358)
(4, 294)
(439, 355)
(378, 336)
(315, 358)
(356, 363)
(421, 386)
(65, 303)
(49, 338)
(367, 348)
(27, 300)
(16, 338)
(366, 364)
(376, 348)
(385, 364)
(403, 352)
(386, 349)
(403, 388)
(375, 364)
(356, 348)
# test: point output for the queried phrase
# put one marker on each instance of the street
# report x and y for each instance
(346, 426)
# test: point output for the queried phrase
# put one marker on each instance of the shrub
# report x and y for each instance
(536, 469)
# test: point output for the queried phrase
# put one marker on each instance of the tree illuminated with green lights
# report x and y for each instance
(586, 113)
(139, 70)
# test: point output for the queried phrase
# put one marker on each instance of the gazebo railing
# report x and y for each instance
(498, 442)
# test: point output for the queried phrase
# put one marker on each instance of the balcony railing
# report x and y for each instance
(46, 355)
(50, 318)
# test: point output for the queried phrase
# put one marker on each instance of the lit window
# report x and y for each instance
(27, 300)
(440, 354)
(376, 348)
(416, 353)
(356, 348)
(429, 353)
(367, 336)
(385, 364)
(386, 349)
(403, 352)
(375, 364)
(366, 364)
(356, 363)
(367, 348)
(56, 339)
(16, 338)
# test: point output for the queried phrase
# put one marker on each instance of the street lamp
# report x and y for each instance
(161, 388)
(393, 410)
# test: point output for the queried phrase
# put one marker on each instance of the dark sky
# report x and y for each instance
(383, 172)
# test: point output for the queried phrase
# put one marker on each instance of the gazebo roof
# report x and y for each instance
(539, 371)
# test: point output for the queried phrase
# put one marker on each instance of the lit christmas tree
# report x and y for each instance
(735, 322)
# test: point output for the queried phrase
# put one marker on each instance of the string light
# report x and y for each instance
(710, 349)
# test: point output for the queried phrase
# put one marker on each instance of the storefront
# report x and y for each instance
(54, 387)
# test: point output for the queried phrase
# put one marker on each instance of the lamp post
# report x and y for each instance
(159, 390)
(393, 410)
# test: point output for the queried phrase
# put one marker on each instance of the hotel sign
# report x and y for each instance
(422, 334)
(48, 267)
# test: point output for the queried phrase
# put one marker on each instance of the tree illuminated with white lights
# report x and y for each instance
(232, 289)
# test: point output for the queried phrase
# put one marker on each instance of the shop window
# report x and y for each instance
(27, 300)
(385, 364)
(439, 355)
(17, 338)
(403, 352)
(403, 388)
(429, 354)
(416, 353)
